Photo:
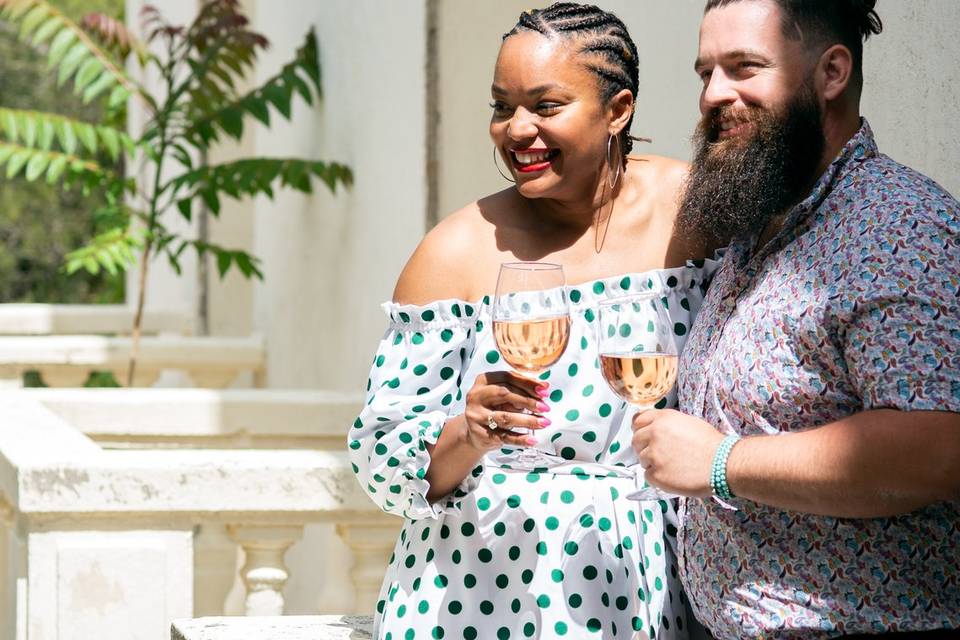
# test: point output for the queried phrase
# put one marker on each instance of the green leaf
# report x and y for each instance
(16, 162)
(182, 155)
(6, 151)
(247, 264)
(301, 87)
(36, 166)
(223, 262)
(8, 121)
(87, 135)
(279, 98)
(77, 54)
(88, 71)
(174, 263)
(33, 20)
(111, 250)
(16, 11)
(118, 96)
(258, 109)
(104, 82)
(67, 137)
(231, 120)
(211, 200)
(59, 47)
(185, 208)
(111, 140)
(29, 130)
(47, 133)
(46, 31)
(56, 169)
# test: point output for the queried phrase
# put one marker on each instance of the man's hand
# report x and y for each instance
(676, 450)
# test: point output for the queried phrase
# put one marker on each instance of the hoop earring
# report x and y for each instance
(497, 165)
(616, 177)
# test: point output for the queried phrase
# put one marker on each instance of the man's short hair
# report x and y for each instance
(822, 23)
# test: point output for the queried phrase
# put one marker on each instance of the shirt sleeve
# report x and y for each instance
(902, 338)
(414, 380)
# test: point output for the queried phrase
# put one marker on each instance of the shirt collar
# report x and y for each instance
(858, 148)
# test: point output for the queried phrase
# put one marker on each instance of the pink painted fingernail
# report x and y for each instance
(543, 422)
(542, 392)
(542, 407)
(530, 441)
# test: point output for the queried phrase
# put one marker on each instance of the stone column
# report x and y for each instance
(371, 543)
(264, 572)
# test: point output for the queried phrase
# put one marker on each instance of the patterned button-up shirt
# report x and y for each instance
(852, 306)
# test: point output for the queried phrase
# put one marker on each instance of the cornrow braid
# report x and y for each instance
(604, 41)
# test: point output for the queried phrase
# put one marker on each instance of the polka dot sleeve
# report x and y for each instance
(414, 381)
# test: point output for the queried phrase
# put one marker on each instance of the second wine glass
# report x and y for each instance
(638, 357)
(531, 323)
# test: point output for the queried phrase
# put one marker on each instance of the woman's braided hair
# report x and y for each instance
(604, 41)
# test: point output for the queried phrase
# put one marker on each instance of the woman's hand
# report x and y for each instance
(508, 401)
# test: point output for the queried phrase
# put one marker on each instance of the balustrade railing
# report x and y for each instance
(66, 343)
(112, 533)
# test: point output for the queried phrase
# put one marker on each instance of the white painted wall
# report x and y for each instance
(911, 94)
(329, 261)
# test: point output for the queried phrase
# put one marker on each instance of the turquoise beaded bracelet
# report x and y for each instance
(718, 474)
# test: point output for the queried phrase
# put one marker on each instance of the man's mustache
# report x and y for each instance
(712, 121)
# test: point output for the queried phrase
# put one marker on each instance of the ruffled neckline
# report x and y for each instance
(584, 295)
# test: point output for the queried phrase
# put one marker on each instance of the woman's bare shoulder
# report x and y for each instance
(661, 172)
(443, 266)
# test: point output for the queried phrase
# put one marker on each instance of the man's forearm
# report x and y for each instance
(871, 464)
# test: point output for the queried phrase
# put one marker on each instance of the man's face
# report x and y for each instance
(760, 140)
(745, 61)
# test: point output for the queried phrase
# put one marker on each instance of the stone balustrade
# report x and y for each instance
(78, 319)
(67, 361)
(287, 628)
(206, 418)
(111, 541)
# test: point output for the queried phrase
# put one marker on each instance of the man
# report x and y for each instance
(829, 340)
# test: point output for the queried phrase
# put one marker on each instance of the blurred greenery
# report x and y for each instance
(41, 223)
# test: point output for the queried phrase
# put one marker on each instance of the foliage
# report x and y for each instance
(41, 223)
(200, 67)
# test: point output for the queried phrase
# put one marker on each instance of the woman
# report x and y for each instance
(488, 549)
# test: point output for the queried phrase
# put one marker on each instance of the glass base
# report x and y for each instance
(650, 493)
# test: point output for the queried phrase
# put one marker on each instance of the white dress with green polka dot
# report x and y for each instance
(513, 552)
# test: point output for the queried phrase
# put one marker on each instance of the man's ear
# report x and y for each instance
(621, 108)
(834, 71)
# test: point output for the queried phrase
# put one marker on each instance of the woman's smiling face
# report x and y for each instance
(548, 122)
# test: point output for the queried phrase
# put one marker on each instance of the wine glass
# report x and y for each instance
(531, 323)
(638, 357)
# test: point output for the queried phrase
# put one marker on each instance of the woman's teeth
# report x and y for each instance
(531, 157)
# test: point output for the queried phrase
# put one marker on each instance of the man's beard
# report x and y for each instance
(736, 186)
